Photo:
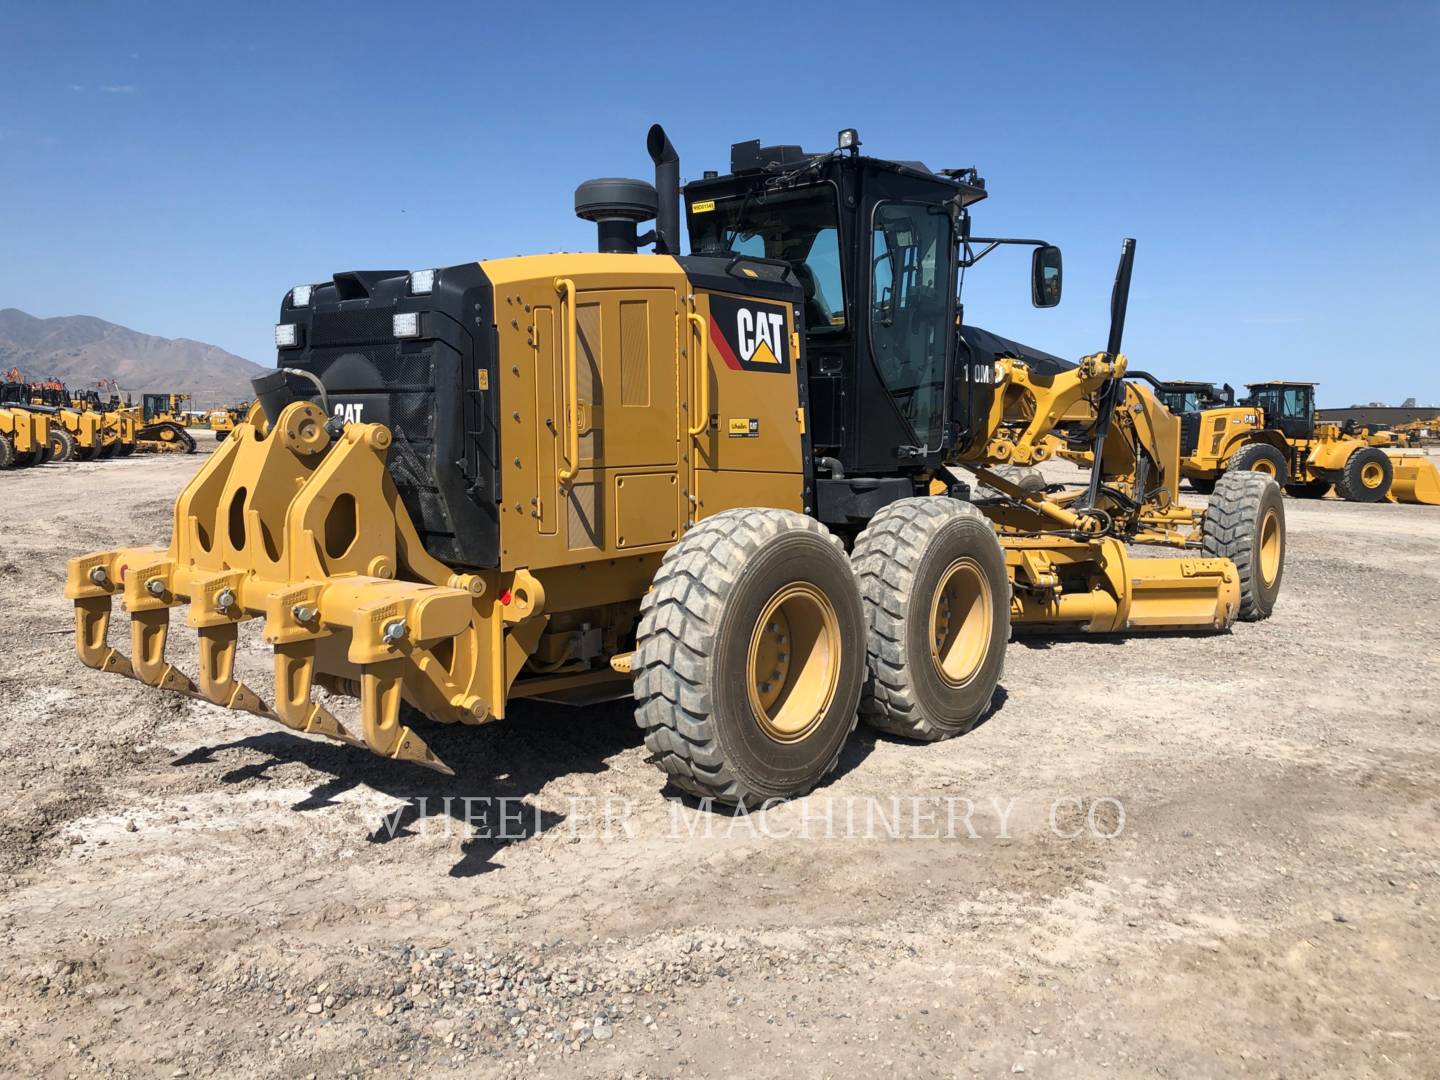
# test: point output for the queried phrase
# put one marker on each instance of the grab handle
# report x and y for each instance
(701, 367)
(569, 350)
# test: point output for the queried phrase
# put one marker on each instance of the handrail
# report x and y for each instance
(701, 367)
(569, 352)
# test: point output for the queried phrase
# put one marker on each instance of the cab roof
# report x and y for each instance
(749, 161)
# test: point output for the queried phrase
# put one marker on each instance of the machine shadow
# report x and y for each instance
(858, 747)
(1043, 641)
(498, 767)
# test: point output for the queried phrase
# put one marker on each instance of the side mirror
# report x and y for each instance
(1045, 276)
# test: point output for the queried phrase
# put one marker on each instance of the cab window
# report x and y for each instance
(910, 260)
(797, 226)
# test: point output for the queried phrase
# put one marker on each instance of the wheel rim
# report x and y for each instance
(960, 622)
(1371, 474)
(793, 665)
(1270, 547)
(1264, 467)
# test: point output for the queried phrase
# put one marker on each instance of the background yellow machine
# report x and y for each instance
(724, 483)
(29, 434)
(161, 422)
(1274, 431)
(223, 421)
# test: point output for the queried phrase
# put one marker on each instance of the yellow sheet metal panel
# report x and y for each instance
(754, 425)
(621, 353)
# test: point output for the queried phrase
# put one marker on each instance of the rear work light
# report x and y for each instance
(407, 324)
(286, 335)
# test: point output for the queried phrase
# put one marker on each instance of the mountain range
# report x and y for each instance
(79, 350)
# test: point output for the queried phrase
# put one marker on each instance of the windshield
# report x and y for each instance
(797, 226)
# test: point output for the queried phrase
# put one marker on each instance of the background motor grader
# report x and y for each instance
(1274, 431)
(25, 431)
(720, 482)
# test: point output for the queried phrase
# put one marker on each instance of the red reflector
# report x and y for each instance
(123, 568)
(505, 597)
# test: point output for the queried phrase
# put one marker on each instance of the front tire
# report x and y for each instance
(1366, 476)
(937, 613)
(1245, 523)
(1261, 458)
(62, 444)
(749, 657)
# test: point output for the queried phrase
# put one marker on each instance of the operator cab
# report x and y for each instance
(876, 246)
(1289, 407)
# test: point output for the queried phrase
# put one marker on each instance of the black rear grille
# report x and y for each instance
(1189, 433)
(425, 391)
(351, 327)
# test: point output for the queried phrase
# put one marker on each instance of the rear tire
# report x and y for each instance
(1201, 486)
(1262, 458)
(7, 452)
(937, 612)
(1366, 476)
(1245, 523)
(125, 449)
(1311, 489)
(749, 657)
(62, 444)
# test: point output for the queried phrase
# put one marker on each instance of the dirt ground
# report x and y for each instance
(1166, 855)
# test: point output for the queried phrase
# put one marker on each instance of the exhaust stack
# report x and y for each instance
(667, 189)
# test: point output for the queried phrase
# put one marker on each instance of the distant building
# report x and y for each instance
(1378, 413)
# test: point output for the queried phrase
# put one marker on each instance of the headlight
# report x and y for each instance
(407, 324)
(286, 335)
(300, 295)
(422, 282)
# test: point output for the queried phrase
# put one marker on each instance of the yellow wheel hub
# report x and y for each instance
(793, 665)
(1371, 474)
(960, 621)
(1270, 547)
(1266, 468)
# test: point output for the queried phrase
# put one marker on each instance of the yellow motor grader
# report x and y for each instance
(1274, 431)
(726, 483)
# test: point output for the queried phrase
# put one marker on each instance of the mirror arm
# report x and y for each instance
(970, 258)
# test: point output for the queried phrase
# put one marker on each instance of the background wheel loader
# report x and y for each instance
(76, 433)
(728, 484)
(1274, 432)
(27, 433)
(222, 421)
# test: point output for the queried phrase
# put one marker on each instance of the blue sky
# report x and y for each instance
(177, 167)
